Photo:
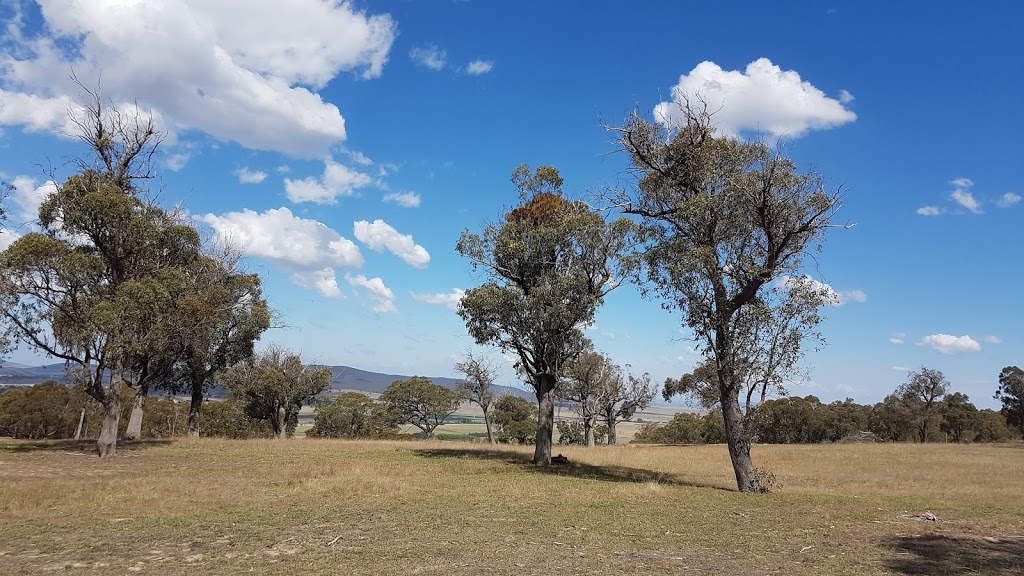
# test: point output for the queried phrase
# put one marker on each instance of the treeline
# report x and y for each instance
(52, 410)
(899, 417)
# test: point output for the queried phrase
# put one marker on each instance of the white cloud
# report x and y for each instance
(27, 196)
(993, 339)
(379, 235)
(898, 338)
(429, 56)
(246, 176)
(1008, 199)
(322, 280)
(830, 296)
(194, 64)
(902, 368)
(308, 249)
(762, 98)
(948, 344)
(378, 291)
(407, 199)
(961, 194)
(929, 211)
(175, 162)
(478, 67)
(450, 300)
(337, 180)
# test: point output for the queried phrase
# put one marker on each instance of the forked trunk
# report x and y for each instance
(107, 443)
(738, 438)
(134, 430)
(195, 407)
(544, 386)
(487, 423)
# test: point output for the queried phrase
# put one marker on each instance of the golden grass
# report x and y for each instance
(292, 507)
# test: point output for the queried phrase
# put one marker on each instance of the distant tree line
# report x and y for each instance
(920, 410)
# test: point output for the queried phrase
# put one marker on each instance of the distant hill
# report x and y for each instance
(344, 378)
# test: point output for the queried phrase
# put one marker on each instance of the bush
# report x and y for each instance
(354, 415)
(515, 420)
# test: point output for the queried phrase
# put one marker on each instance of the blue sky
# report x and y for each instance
(345, 146)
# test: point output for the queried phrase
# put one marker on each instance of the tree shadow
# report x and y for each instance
(931, 554)
(570, 469)
(10, 445)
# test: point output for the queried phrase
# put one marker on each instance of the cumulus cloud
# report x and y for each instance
(381, 294)
(478, 67)
(961, 194)
(429, 56)
(929, 211)
(449, 299)
(246, 176)
(761, 98)
(193, 64)
(1008, 199)
(407, 199)
(337, 180)
(948, 344)
(379, 236)
(27, 196)
(308, 249)
(830, 296)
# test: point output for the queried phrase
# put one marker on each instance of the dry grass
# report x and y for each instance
(272, 507)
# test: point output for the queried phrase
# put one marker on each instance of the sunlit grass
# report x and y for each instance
(203, 506)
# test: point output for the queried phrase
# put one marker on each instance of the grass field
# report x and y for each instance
(344, 507)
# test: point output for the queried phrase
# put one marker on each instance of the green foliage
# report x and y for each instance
(354, 415)
(548, 263)
(273, 385)
(958, 416)
(420, 402)
(228, 419)
(992, 427)
(922, 397)
(515, 419)
(892, 420)
(1011, 394)
(725, 226)
(47, 410)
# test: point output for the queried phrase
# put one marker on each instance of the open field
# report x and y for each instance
(292, 507)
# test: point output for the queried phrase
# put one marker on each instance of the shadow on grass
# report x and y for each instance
(86, 446)
(956, 554)
(571, 469)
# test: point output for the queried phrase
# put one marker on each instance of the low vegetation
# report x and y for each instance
(206, 506)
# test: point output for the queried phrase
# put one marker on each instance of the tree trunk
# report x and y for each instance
(544, 386)
(81, 422)
(612, 439)
(134, 430)
(195, 407)
(588, 431)
(487, 423)
(107, 443)
(738, 439)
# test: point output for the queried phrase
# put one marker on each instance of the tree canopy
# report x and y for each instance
(420, 402)
(548, 264)
(725, 225)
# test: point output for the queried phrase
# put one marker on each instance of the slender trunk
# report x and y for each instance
(738, 439)
(487, 423)
(106, 445)
(81, 422)
(134, 430)
(588, 431)
(544, 386)
(195, 407)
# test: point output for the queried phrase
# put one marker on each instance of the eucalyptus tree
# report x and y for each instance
(923, 394)
(584, 379)
(725, 226)
(273, 385)
(420, 402)
(478, 386)
(90, 285)
(548, 263)
(621, 397)
(1011, 394)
